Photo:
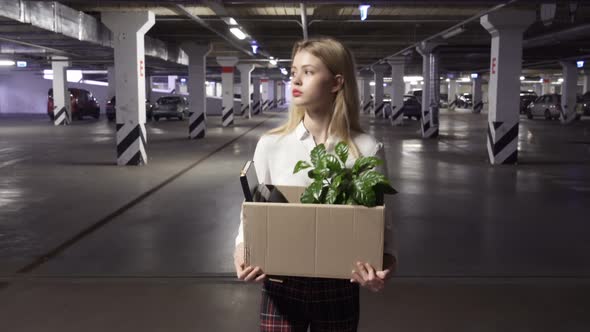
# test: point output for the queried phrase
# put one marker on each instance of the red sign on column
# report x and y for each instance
(493, 65)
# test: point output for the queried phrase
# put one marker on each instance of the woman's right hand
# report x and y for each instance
(243, 272)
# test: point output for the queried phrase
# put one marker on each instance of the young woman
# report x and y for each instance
(324, 109)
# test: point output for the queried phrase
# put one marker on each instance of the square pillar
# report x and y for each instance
(397, 90)
(569, 87)
(227, 89)
(197, 57)
(378, 105)
(246, 90)
(62, 113)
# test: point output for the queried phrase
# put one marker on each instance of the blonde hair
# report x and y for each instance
(345, 111)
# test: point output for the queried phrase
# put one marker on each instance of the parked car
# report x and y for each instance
(412, 107)
(547, 106)
(111, 109)
(464, 100)
(82, 103)
(171, 107)
(526, 98)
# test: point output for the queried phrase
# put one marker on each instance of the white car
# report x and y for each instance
(547, 106)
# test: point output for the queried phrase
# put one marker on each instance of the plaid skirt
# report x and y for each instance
(292, 304)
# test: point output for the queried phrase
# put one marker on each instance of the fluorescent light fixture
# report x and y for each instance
(238, 33)
(74, 76)
(580, 64)
(7, 63)
(474, 75)
(522, 78)
(413, 78)
(465, 79)
(21, 64)
(284, 71)
(560, 80)
(372, 83)
(183, 80)
(540, 80)
(92, 82)
(448, 80)
(273, 62)
(254, 48)
(232, 21)
(384, 84)
(272, 57)
(364, 9)
(453, 33)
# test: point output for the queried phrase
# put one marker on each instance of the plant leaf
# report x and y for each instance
(317, 154)
(370, 178)
(342, 151)
(301, 164)
(364, 163)
(307, 197)
(332, 163)
(316, 189)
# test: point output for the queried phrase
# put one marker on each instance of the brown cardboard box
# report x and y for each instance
(311, 240)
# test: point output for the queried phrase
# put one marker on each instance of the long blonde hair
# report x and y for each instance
(346, 106)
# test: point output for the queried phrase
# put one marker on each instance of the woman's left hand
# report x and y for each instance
(367, 277)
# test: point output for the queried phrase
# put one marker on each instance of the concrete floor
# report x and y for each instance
(101, 247)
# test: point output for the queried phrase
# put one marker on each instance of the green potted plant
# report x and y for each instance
(334, 183)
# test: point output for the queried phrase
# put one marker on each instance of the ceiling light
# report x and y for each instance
(580, 64)
(412, 78)
(21, 64)
(273, 62)
(522, 78)
(284, 71)
(232, 21)
(372, 83)
(560, 80)
(363, 9)
(453, 33)
(448, 80)
(238, 33)
(474, 75)
(7, 63)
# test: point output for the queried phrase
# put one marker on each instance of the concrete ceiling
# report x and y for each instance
(391, 27)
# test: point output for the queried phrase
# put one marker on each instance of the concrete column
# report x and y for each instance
(129, 29)
(477, 105)
(407, 87)
(397, 90)
(256, 100)
(452, 92)
(62, 113)
(365, 77)
(444, 88)
(111, 90)
(379, 70)
(506, 27)
(279, 92)
(586, 83)
(431, 90)
(227, 89)
(269, 91)
(172, 84)
(569, 88)
(546, 89)
(197, 57)
(273, 85)
(538, 88)
(245, 75)
(283, 93)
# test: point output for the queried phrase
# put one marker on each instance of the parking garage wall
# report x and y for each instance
(26, 92)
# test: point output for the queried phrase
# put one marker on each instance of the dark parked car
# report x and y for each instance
(171, 107)
(111, 109)
(412, 107)
(464, 100)
(82, 103)
(526, 98)
(547, 106)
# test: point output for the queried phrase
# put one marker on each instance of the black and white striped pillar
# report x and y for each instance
(569, 87)
(364, 82)
(245, 89)
(61, 95)
(129, 30)
(396, 90)
(431, 91)
(379, 70)
(197, 120)
(503, 142)
(131, 144)
(477, 100)
(227, 89)
(256, 95)
(506, 27)
(368, 106)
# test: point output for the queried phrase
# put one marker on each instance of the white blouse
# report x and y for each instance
(276, 155)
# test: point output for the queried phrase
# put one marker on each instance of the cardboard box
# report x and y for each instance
(311, 240)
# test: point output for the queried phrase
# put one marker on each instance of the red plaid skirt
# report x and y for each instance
(293, 304)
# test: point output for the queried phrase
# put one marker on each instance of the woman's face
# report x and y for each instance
(312, 83)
